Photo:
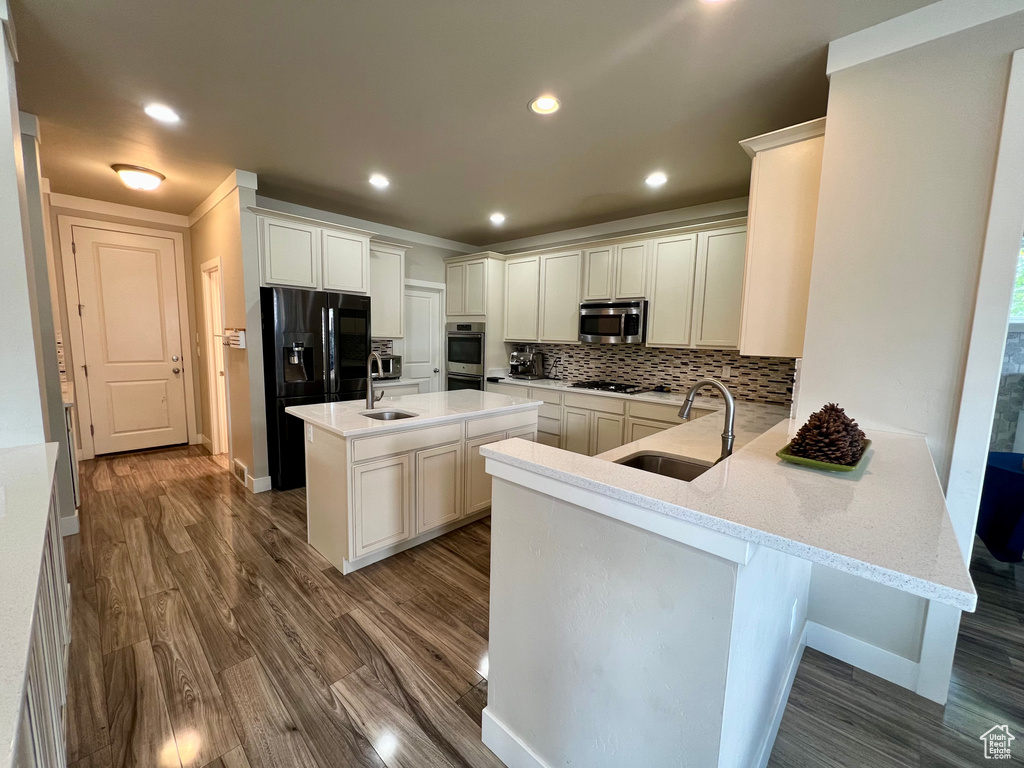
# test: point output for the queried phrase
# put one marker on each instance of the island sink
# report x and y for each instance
(388, 415)
(669, 466)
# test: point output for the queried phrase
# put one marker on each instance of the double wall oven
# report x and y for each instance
(464, 356)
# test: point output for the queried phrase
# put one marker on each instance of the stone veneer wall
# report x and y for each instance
(755, 379)
(1011, 394)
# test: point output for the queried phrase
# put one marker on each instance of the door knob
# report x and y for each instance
(175, 370)
(174, 359)
(437, 370)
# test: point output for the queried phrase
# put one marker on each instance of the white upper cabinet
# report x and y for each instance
(560, 297)
(291, 253)
(598, 273)
(673, 270)
(346, 262)
(631, 271)
(466, 283)
(304, 253)
(615, 272)
(784, 180)
(387, 291)
(719, 287)
(522, 296)
(455, 288)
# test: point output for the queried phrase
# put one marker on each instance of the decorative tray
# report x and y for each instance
(784, 454)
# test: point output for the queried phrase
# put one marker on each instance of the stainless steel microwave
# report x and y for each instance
(613, 322)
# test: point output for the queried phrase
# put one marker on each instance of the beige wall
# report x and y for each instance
(218, 235)
(907, 173)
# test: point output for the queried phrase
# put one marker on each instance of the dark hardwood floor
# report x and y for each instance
(205, 632)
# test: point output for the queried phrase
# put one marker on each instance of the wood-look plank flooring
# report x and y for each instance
(206, 632)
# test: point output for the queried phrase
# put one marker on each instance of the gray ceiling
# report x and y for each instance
(314, 96)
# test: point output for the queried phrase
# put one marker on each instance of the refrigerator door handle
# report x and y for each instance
(332, 361)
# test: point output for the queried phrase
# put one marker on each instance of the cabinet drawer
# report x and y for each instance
(364, 448)
(550, 411)
(548, 439)
(595, 403)
(500, 423)
(505, 389)
(555, 398)
(551, 426)
(656, 411)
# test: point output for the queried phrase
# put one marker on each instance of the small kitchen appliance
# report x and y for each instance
(391, 367)
(613, 322)
(527, 364)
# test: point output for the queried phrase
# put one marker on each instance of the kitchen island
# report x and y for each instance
(376, 486)
(639, 619)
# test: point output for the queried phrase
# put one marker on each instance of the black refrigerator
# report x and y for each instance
(315, 346)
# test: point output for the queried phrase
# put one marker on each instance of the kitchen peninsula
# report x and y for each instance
(380, 481)
(639, 619)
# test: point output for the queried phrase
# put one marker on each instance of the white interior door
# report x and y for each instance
(421, 350)
(129, 305)
(216, 372)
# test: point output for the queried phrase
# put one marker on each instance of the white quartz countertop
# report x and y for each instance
(26, 476)
(347, 419)
(886, 522)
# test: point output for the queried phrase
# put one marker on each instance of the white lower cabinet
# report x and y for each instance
(590, 432)
(478, 482)
(637, 429)
(576, 430)
(606, 432)
(382, 497)
(438, 486)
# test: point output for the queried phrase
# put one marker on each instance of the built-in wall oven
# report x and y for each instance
(613, 322)
(464, 356)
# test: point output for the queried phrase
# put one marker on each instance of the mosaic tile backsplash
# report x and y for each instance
(382, 346)
(755, 379)
(1010, 402)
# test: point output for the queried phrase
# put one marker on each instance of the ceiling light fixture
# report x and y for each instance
(380, 181)
(656, 179)
(137, 177)
(162, 112)
(545, 105)
(497, 219)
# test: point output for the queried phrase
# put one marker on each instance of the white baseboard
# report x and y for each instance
(870, 658)
(257, 484)
(206, 442)
(508, 747)
(69, 525)
(780, 703)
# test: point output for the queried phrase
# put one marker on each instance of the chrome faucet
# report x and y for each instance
(729, 434)
(370, 399)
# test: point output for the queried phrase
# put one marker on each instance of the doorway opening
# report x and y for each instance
(216, 374)
(421, 348)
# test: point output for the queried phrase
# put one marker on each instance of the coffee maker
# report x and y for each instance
(526, 364)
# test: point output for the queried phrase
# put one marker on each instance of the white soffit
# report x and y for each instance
(940, 19)
(88, 205)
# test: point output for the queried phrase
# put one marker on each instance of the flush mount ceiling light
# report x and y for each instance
(497, 219)
(656, 179)
(545, 105)
(380, 181)
(137, 177)
(162, 112)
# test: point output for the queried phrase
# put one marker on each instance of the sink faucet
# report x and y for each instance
(728, 435)
(370, 399)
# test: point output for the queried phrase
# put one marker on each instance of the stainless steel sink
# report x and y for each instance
(388, 415)
(680, 469)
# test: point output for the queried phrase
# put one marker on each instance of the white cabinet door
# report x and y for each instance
(382, 500)
(560, 297)
(291, 254)
(597, 274)
(522, 294)
(478, 482)
(673, 263)
(455, 288)
(404, 389)
(576, 430)
(719, 287)
(387, 292)
(524, 433)
(631, 271)
(346, 262)
(605, 432)
(637, 429)
(476, 287)
(438, 486)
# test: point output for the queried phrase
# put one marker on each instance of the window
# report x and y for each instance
(1017, 309)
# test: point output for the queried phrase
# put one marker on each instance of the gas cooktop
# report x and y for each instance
(611, 386)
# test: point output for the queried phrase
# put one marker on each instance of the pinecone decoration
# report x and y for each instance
(831, 436)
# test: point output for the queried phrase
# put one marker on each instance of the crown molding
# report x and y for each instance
(931, 22)
(780, 138)
(237, 178)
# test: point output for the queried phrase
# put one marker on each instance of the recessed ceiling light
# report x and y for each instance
(137, 177)
(545, 105)
(162, 112)
(379, 180)
(497, 219)
(656, 179)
